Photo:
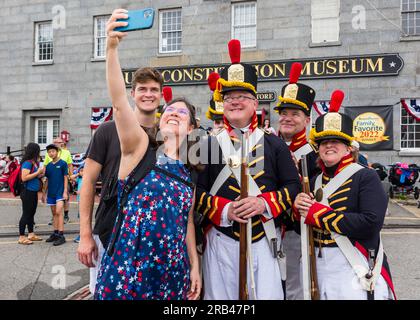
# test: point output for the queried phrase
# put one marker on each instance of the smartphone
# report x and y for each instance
(138, 20)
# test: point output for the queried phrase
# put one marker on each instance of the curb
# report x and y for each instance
(412, 209)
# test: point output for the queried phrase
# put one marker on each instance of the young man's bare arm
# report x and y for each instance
(87, 246)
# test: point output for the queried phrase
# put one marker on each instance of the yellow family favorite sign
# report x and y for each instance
(369, 128)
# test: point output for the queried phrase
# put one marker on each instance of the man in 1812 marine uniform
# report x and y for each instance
(273, 184)
(294, 108)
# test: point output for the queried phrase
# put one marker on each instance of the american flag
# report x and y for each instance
(321, 107)
(412, 106)
(100, 115)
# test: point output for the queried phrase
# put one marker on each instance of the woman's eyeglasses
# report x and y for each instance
(181, 111)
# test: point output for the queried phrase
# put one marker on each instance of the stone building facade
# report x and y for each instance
(52, 72)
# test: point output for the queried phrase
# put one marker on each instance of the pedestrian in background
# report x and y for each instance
(65, 155)
(267, 126)
(31, 173)
(78, 177)
(55, 187)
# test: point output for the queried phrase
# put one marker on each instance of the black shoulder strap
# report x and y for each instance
(174, 176)
(140, 171)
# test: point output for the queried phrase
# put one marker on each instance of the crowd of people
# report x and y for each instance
(8, 164)
(55, 178)
(164, 193)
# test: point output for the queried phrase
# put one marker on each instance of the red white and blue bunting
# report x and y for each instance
(321, 107)
(412, 106)
(100, 115)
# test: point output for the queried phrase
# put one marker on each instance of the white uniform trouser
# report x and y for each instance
(338, 281)
(221, 269)
(93, 272)
(292, 249)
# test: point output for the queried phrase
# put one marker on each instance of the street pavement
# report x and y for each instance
(39, 271)
(44, 272)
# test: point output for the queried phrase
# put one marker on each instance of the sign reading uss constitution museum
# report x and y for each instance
(319, 68)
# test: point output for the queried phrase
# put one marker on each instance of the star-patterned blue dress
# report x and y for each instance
(150, 259)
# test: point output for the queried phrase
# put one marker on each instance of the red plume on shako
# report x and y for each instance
(167, 96)
(234, 47)
(215, 109)
(295, 72)
(337, 98)
(212, 80)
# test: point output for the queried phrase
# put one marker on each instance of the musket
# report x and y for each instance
(310, 279)
(243, 239)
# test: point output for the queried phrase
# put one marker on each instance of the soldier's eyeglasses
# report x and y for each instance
(240, 98)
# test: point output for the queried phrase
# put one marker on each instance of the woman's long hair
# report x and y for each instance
(32, 151)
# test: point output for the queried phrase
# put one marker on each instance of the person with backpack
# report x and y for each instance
(30, 174)
(152, 250)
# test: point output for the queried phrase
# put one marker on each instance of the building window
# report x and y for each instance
(325, 16)
(410, 131)
(41, 131)
(100, 36)
(244, 23)
(170, 31)
(410, 16)
(43, 42)
(46, 130)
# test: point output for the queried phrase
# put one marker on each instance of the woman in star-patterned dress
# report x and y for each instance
(154, 253)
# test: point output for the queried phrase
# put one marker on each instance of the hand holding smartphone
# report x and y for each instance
(138, 20)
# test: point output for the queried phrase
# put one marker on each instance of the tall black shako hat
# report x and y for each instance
(296, 95)
(215, 110)
(333, 124)
(237, 76)
(167, 96)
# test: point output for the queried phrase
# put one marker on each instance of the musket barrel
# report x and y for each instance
(243, 290)
(310, 237)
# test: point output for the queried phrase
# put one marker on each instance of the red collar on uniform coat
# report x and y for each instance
(344, 162)
(231, 131)
(298, 140)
